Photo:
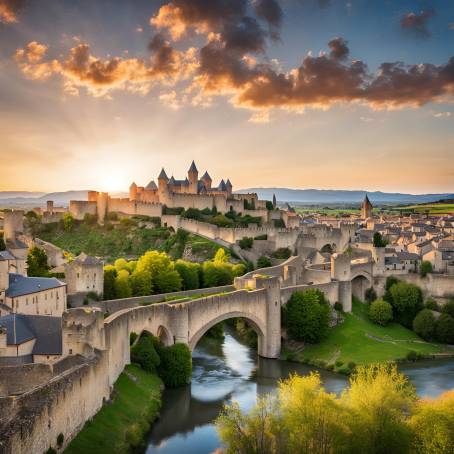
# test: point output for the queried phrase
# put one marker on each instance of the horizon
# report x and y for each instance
(98, 94)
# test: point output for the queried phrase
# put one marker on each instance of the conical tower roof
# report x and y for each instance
(163, 175)
(193, 168)
(206, 176)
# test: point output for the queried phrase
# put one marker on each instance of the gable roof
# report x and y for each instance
(84, 259)
(22, 285)
(45, 329)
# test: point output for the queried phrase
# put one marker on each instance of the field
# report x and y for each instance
(432, 208)
(358, 340)
(122, 423)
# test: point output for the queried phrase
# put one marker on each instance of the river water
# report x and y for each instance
(229, 370)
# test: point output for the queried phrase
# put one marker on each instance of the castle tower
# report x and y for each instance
(50, 206)
(206, 179)
(102, 206)
(229, 187)
(274, 201)
(133, 192)
(13, 224)
(193, 177)
(366, 208)
(163, 189)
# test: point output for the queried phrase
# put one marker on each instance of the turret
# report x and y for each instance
(193, 177)
(206, 179)
(229, 187)
(13, 224)
(163, 189)
(133, 192)
(366, 208)
(50, 206)
(274, 201)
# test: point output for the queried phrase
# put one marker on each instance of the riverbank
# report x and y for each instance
(359, 341)
(122, 424)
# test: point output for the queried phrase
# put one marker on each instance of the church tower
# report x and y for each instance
(193, 177)
(366, 208)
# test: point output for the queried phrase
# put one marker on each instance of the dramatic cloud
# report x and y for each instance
(98, 76)
(339, 49)
(417, 23)
(269, 10)
(9, 10)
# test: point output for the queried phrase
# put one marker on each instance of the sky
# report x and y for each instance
(329, 94)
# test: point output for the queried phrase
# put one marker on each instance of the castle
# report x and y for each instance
(153, 199)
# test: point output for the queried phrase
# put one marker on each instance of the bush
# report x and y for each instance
(60, 439)
(379, 241)
(412, 355)
(390, 281)
(261, 237)
(90, 219)
(381, 312)
(338, 306)
(351, 365)
(263, 262)
(306, 316)
(432, 305)
(424, 324)
(144, 353)
(269, 205)
(448, 308)
(175, 368)
(339, 363)
(246, 242)
(444, 329)
(407, 301)
(425, 268)
(370, 295)
(282, 253)
(132, 337)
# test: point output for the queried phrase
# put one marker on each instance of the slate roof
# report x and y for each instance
(206, 176)
(6, 255)
(45, 329)
(163, 175)
(193, 168)
(222, 186)
(15, 244)
(84, 259)
(151, 185)
(23, 285)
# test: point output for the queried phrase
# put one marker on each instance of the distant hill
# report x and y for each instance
(39, 199)
(321, 196)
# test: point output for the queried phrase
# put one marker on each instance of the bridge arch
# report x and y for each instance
(164, 335)
(329, 248)
(360, 283)
(255, 323)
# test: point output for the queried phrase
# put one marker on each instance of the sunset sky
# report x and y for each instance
(341, 94)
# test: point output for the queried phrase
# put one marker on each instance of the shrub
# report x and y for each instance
(448, 308)
(306, 316)
(263, 262)
(425, 268)
(424, 324)
(60, 439)
(338, 306)
(444, 329)
(144, 353)
(370, 294)
(339, 363)
(379, 241)
(175, 368)
(432, 305)
(90, 219)
(390, 281)
(351, 365)
(261, 237)
(246, 242)
(381, 312)
(407, 301)
(269, 205)
(190, 274)
(412, 355)
(282, 253)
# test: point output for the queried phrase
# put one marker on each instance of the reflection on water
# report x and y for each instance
(231, 371)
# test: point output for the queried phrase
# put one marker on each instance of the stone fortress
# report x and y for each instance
(43, 398)
(152, 199)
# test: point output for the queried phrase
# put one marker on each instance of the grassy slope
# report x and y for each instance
(136, 404)
(434, 208)
(357, 339)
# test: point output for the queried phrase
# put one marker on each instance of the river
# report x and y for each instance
(228, 370)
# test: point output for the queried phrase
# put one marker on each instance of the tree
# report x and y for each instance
(444, 329)
(67, 222)
(378, 240)
(122, 285)
(370, 295)
(37, 263)
(425, 268)
(216, 274)
(189, 273)
(221, 256)
(381, 312)
(238, 270)
(390, 281)
(263, 262)
(306, 316)
(432, 305)
(448, 308)
(167, 281)
(407, 301)
(110, 273)
(141, 284)
(424, 324)
(144, 353)
(121, 264)
(175, 368)
(246, 242)
(377, 402)
(432, 424)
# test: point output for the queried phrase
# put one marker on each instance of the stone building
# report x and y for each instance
(84, 274)
(366, 208)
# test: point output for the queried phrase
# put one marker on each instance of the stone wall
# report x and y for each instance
(79, 208)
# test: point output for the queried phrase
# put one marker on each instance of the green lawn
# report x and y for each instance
(357, 339)
(433, 208)
(123, 423)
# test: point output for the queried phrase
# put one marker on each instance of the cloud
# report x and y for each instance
(417, 23)
(100, 76)
(451, 25)
(270, 11)
(9, 10)
(262, 116)
(339, 49)
(441, 114)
